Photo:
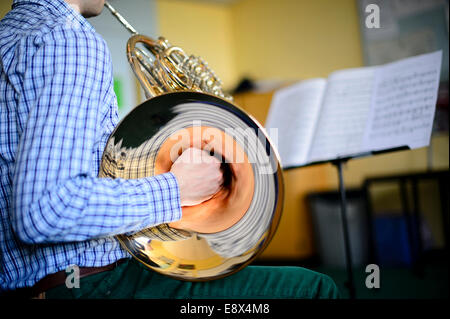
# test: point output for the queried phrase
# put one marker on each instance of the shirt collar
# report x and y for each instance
(60, 7)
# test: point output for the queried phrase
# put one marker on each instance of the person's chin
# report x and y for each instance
(94, 10)
(91, 14)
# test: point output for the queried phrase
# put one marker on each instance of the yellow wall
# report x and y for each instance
(295, 39)
(202, 29)
(5, 6)
(265, 39)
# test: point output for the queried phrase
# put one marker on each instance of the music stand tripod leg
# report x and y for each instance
(343, 203)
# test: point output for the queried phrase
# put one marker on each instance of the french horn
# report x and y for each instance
(187, 107)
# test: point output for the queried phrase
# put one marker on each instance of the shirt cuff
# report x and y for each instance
(164, 198)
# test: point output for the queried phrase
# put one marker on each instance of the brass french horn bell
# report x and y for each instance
(187, 107)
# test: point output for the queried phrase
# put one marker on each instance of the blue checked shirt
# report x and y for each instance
(57, 110)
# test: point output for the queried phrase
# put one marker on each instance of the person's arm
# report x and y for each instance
(56, 195)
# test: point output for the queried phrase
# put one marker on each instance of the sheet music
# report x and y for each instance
(357, 111)
(404, 103)
(341, 126)
(293, 112)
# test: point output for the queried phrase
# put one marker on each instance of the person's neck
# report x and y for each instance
(74, 5)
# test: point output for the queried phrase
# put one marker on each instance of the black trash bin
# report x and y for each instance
(325, 213)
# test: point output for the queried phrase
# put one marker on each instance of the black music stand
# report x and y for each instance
(348, 252)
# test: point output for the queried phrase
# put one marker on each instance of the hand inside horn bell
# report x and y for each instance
(199, 176)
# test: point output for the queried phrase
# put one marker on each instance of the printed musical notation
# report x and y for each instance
(294, 114)
(341, 125)
(404, 103)
(357, 111)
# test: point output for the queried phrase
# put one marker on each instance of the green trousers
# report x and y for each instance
(132, 280)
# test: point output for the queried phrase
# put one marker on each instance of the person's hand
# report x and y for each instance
(198, 174)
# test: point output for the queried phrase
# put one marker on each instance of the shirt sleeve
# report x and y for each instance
(56, 196)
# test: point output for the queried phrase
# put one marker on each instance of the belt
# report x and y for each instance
(59, 278)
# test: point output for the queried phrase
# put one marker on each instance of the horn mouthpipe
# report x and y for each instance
(121, 19)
